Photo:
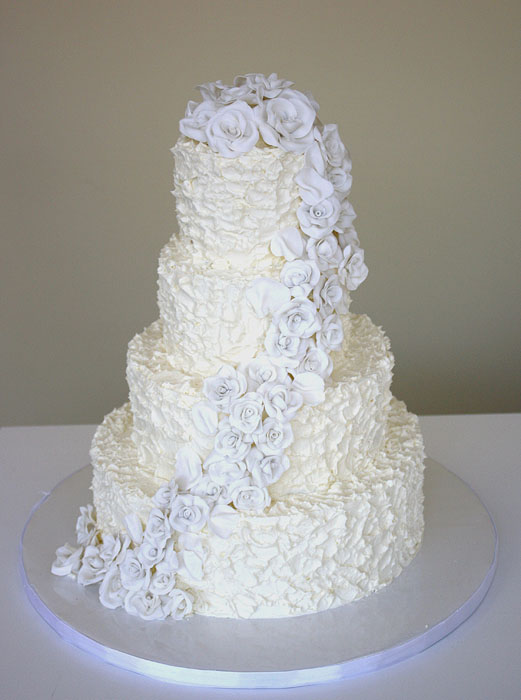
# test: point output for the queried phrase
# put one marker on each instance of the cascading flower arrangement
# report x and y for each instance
(247, 409)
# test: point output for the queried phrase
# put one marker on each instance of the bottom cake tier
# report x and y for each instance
(306, 552)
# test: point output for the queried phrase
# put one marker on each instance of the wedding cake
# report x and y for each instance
(262, 467)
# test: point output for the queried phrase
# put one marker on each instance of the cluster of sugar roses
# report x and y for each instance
(247, 409)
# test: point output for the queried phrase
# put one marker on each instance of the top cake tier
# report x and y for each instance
(230, 208)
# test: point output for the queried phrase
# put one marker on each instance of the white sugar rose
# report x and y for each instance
(187, 468)
(300, 277)
(144, 604)
(210, 91)
(287, 243)
(162, 582)
(232, 131)
(341, 181)
(298, 318)
(311, 386)
(189, 513)
(178, 604)
(251, 498)
(316, 361)
(326, 252)
(313, 188)
(262, 86)
(86, 526)
(164, 496)
(209, 489)
(260, 370)
(246, 412)
(112, 593)
(318, 220)
(134, 574)
(287, 121)
(68, 560)
(226, 386)
(353, 270)
(346, 217)
(332, 146)
(285, 349)
(269, 470)
(223, 470)
(113, 548)
(196, 119)
(274, 436)
(281, 401)
(150, 553)
(331, 335)
(348, 237)
(158, 528)
(231, 442)
(330, 295)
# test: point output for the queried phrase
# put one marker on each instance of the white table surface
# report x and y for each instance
(480, 660)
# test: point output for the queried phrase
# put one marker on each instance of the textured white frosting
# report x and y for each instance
(308, 551)
(331, 439)
(230, 209)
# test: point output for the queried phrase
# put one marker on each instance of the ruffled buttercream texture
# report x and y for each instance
(347, 515)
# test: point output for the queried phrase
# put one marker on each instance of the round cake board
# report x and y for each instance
(442, 587)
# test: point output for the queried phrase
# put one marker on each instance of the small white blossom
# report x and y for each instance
(316, 360)
(326, 252)
(144, 604)
(223, 388)
(134, 574)
(332, 146)
(300, 276)
(319, 220)
(251, 498)
(231, 442)
(330, 295)
(284, 348)
(331, 335)
(112, 593)
(68, 560)
(261, 369)
(246, 412)
(196, 119)
(157, 529)
(165, 494)
(281, 401)
(274, 436)
(232, 131)
(162, 582)
(86, 526)
(298, 318)
(222, 470)
(177, 603)
(269, 470)
(287, 120)
(189, 513)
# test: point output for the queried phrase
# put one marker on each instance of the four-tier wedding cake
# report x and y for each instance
(262, 467)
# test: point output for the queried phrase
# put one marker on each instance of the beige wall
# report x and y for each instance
(424, 93)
